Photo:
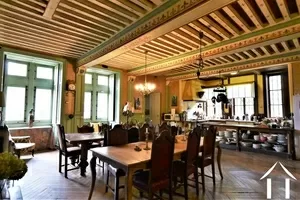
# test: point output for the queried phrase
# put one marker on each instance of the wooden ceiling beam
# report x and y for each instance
(195, 34)
(157, 49)
(273, 46)
(207, 31)
(116, 7)
(298, 5)
(296, 42)
(40, 2)
(20, 13)
(172, 43)
(30, 5)
(225, 23)
(147, 5)
(265, 50)
(283, 9)
(251, 13)
(235, 16)
(266, 10)
(133, 6)
(26, 24)
(101, 13)
(256, 52)
(182, 40)
(50, 9)
(234, 58)
(285, 46)
(187, 36)
(151, 51)
(167, 46)
(215, 27)
(32, 35)
(248, 54)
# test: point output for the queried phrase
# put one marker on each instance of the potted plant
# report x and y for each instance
(11, 168)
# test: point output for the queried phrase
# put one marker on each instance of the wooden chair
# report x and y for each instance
(207, 154)
(159, 175)
(88, 129)
(142, 135)
(116, 136)
(66, 151)
(188, 164)
(133, 135)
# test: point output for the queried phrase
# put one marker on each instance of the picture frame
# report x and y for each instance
(138, 104)
(174, 100)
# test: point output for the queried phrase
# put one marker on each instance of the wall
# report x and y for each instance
(160, 83)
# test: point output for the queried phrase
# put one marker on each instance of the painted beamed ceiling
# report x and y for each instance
(239, 35)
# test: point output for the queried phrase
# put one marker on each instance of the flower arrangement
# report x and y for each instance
(11, 167)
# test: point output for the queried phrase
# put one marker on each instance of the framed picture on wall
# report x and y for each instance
(138, 106)
(174, 101)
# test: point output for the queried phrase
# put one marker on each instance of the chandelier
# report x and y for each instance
(200, 59)
(147, 87)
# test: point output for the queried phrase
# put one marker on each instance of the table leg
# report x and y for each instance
(128, 186)
(83, 160)
(93, 170)
(219, 161)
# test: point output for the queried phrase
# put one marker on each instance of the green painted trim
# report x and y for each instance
(233, 40)
(129, 28)
(243, 63)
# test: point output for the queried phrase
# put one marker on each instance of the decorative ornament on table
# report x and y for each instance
(128, 111)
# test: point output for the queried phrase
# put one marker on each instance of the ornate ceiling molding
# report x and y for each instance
(213, 51)
(160, 18)
(242, 67)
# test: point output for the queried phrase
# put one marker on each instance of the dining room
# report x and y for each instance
(147, 99)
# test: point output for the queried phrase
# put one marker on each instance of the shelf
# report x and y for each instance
(264, 151)
(228, 146)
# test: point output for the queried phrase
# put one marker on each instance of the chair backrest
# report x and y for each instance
(61, 137)
(142, 135)
(104, 129)
(85, 129)
(174, 130)
(133, 135)
(117, 136)
(164, 126)
(192, 148)
(162, 154)
(209, 141)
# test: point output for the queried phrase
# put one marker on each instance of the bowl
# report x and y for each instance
(246, 144)
(278, 148)
(256, 146)
(256, 137)
(228, 134)
(266, 145)
(263, 139)
(281, 137)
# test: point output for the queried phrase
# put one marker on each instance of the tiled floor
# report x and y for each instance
(242, 173)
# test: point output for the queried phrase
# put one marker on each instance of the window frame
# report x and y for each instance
(31, 83)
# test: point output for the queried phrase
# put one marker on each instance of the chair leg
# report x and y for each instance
(150, 195)
(203, 179)
(116, 188)
(185, 184)
(66, 166)
(93, 170)
(196, 180)
(59, 161)
(107, 182)
(219, 161)
(160, 193)
(170, 191)
(32, 152)
(213, 173)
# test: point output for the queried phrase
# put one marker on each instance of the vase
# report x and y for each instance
(3, 189)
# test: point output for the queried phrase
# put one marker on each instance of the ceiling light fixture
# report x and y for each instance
(200, 59)
(146, 88)
(234, 73)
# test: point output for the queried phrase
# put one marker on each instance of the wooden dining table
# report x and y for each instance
(84, 139)
(129, 160)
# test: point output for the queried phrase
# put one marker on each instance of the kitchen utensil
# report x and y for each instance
(256, 137)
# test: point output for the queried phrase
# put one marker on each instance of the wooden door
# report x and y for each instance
(155, 108)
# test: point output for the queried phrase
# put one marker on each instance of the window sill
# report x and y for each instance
(34, 127)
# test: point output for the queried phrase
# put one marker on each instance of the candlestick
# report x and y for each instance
(147, 134)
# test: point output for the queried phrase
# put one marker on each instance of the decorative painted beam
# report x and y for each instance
(243, 66)
(146, 29)
(267, 36)
(50, 9)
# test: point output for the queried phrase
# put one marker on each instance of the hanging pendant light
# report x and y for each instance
(147, 87)
(200, 59)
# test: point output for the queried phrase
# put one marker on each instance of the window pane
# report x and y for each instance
(17, 69)
(43, 102)
(44, 73)
(88, 79)
(250, 110)
(276, 110)
(249, 101)
(102, 80)
(87, 105)
(15, 104)
(102, 106)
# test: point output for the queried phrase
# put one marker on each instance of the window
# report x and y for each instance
(99, 97)
(275, 96)
(242, 98)
(28, 86)
(212, 109)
